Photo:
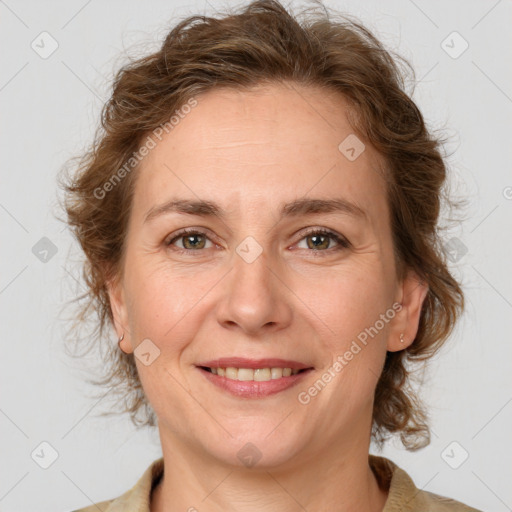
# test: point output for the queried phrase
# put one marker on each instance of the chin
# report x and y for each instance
(260, 448)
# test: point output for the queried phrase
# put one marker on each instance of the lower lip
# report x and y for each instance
(254, 389)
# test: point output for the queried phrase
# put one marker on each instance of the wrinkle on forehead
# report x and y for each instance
(229, 142)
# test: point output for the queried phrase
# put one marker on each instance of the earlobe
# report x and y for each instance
(406, 322)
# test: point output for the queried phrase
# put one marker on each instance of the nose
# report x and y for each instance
(255, 298)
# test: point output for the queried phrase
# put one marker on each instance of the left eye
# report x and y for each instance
(320, 239)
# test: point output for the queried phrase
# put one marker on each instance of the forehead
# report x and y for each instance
(275, 143)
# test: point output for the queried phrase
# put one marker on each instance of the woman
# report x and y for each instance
(259, 217)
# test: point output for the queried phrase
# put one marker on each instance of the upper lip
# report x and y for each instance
(241, 362)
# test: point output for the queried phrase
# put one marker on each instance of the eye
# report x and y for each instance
(320, 239)
(192, 240)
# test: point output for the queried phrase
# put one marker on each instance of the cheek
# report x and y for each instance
(352, 311)
(159, 296)
(160, 309)
(345, 301)
(156, 300)
(168, 304)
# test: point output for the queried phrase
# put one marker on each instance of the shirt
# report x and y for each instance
(403, 496)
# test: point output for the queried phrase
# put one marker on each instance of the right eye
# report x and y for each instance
(192, 240)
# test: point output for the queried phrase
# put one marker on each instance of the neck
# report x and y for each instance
(339, 478)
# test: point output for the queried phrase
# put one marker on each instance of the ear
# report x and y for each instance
(412, 293)
(117, 299)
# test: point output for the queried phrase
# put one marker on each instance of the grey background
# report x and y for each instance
(49, 110)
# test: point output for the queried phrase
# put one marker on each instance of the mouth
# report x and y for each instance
(254, 378)
(249, 374)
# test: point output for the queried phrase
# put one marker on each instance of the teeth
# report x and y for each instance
(262, 374)
(276, 373)
(232, 373)
(245, 374)
(258, 374)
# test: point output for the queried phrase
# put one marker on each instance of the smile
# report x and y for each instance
(248, 378)
(250, 374)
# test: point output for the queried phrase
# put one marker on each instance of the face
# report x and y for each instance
(269, 275)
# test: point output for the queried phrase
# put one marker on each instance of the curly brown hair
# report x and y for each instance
(264, 43)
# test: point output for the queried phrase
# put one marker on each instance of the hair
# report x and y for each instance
(261, 44)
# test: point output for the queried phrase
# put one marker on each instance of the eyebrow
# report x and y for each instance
(304, 206)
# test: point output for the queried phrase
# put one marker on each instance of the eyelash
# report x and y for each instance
(343, 243)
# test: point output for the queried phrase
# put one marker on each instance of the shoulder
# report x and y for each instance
(102, 506)
(137, 499)
(404, 496)
(430, 501)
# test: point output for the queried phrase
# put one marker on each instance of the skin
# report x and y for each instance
(250, 152)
